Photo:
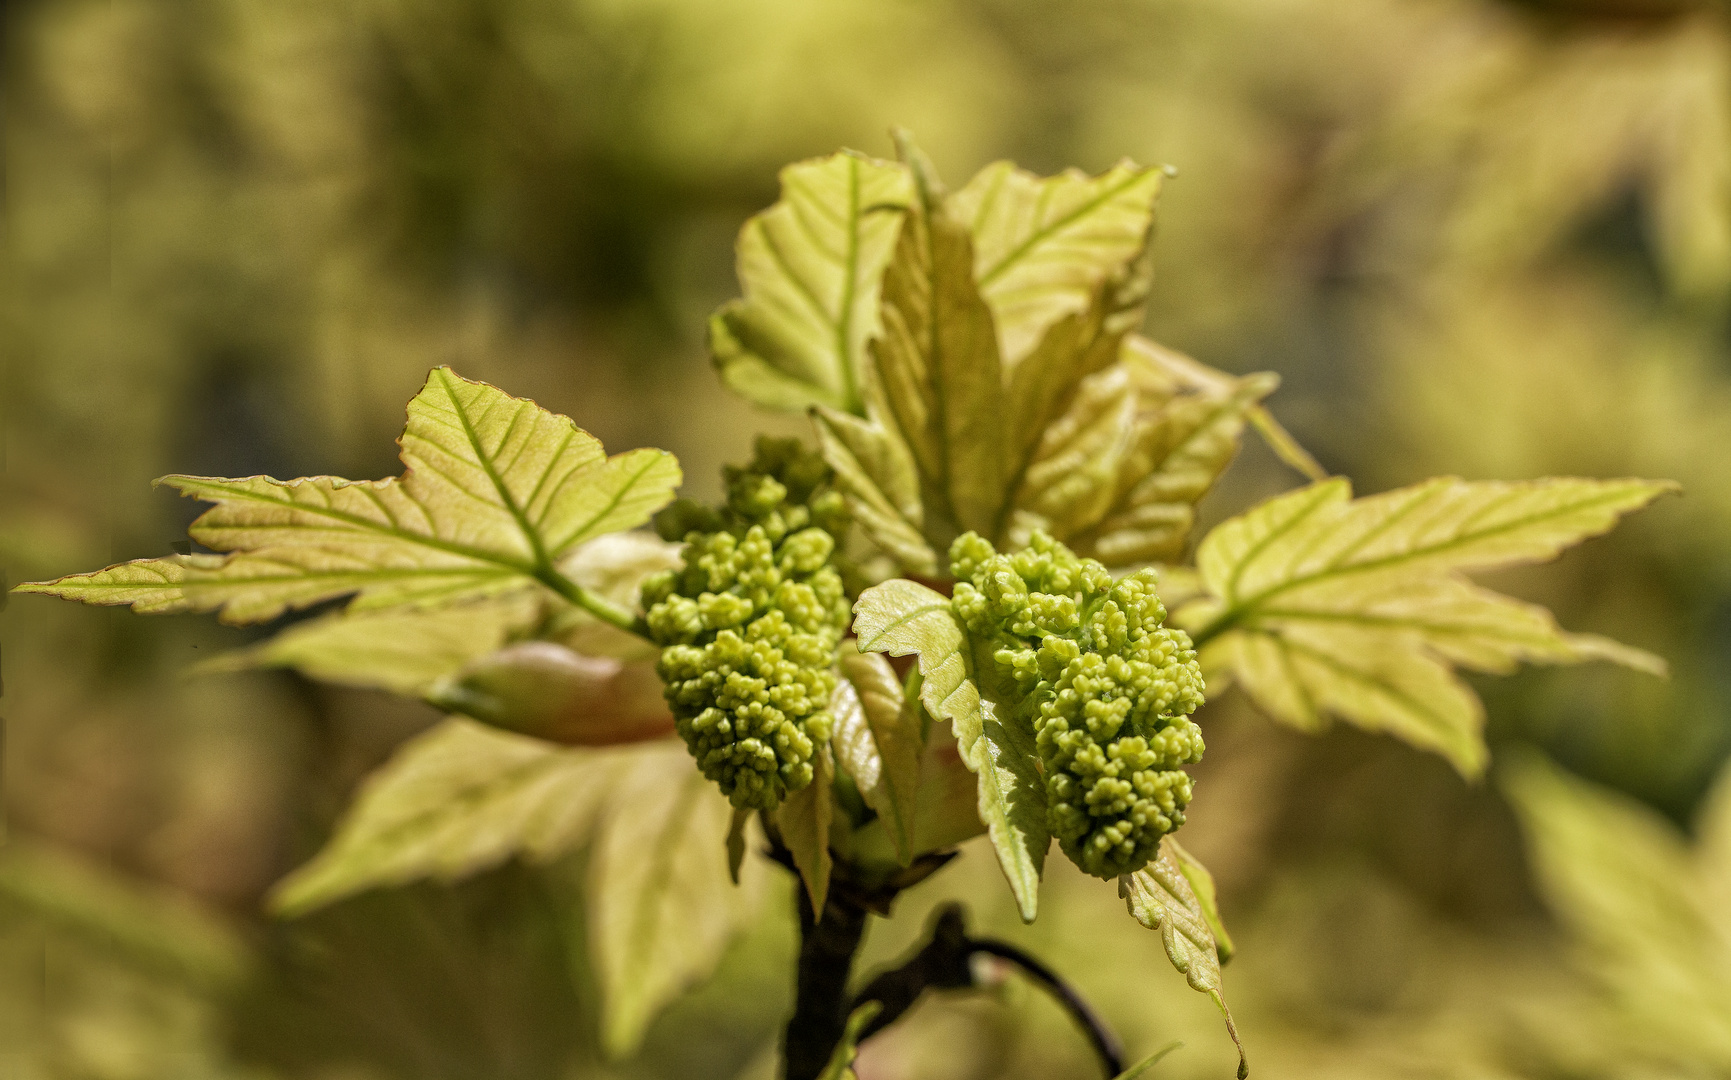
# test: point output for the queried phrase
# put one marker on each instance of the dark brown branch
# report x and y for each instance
(945, 963)
(826, 951)
(1106, 1045)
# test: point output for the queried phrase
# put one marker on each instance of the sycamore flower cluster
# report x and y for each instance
(1106, 687)
(749, 625)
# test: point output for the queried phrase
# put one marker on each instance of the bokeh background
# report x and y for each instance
(1477, 237)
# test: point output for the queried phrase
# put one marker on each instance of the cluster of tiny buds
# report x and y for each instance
(750, 623)
(1106, 686)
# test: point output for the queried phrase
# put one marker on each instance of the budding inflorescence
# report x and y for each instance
(749, 625)
(1107, 688)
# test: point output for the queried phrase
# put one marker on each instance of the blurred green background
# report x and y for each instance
(1475, 236)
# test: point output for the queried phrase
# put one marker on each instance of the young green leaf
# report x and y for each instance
(1187, 430)
(879, 739)
(457, 800)
(401, 650)
(1202, 884)
(936, 379)
(840, 1066)
(494, 493)
(1044, 245)
(1641, 905)
(901, 618)
(1074, 472)
(1713, 835)
(947, 806)
(803, 819)
(876, 472)
(1323, 604)
(811, 267)
(661, 907)
(1161, 898)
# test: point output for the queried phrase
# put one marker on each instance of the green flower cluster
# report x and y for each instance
(749, 625)
(1106, 687)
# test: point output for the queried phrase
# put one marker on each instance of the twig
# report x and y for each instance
(945, 962)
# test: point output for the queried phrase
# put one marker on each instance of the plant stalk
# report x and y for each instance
(826, 952)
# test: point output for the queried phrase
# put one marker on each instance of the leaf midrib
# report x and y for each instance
(1240, 611)
(367, 524)
(1039, 235)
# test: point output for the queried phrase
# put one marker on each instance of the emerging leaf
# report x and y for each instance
(1161, 898)
(902, 618)
(1188, 424)
(1044, 245)
(494, 493)
(462, 798)
(1322, 604)
(1202, 884)
(803, 819)
(840, 1066)
(877, 472)
(937, 382)
(879, 739)
(811, 267)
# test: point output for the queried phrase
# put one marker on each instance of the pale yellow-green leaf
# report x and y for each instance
(1202, 884)
(1187, 430)
(877, 474)
(840, 1064)
(456, 800)
(1634, 897)
(403, 651)
(1043, 386)
(494, 493)
(804, 819)
(1302, 675)
(937, 381)
(1160, 897)
(947, 809)
(1073, 476)
(902, 618)
(1044, 245)
(662, 905)
(1319, 604)
(1713, 839)
(811, 267)
(879, 740)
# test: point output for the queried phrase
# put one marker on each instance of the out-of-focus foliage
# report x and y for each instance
(1649, 914)
(1475, 236)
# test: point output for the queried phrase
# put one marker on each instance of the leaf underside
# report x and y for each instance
(495, 492)
(905, 618)
(1319, 604)
(463, 798)
(1160, 897)
(810, 267)
(879, 740)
